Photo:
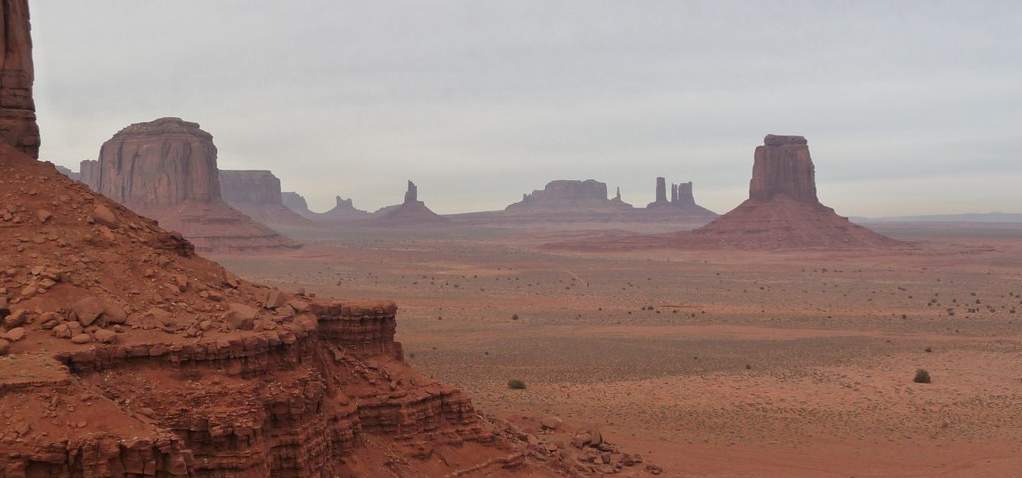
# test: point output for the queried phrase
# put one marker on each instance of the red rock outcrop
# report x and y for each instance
(410, 212)
(568, 196)
(128, 355)
(166, 169)
(18, 126)
(258, 195)
(783, 210)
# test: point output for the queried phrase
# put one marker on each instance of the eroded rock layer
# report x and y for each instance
(166, 169)
(258, 195)
(124, 354)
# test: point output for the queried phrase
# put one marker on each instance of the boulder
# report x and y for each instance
(87, 310)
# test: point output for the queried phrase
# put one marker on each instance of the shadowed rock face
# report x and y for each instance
(257, 194)
(296, 202)
(783, 166)
(250, 187)
(411, 195)
(18, 126)
(88, 173)
(681, 195)
(158, 164)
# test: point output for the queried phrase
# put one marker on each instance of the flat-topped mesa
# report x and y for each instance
(250, 187)
(568, 195)
(257, 194)
(783, 166)
(158, 164)
(18, 125)
(167, 169)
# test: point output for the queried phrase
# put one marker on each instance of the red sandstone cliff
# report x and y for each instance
(166, 169)
(18, 126)
(258, 195)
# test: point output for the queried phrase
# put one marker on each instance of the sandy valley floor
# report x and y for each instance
(713, 364)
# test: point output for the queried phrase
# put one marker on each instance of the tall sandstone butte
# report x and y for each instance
(257, 194)
(783, 210)
(18, 126)
(411, 212)
(166, 169)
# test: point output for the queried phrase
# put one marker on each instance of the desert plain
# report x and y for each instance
(710, 363)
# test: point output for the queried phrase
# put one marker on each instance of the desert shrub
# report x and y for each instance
(922, 376)
(515, 384)
(514, 316)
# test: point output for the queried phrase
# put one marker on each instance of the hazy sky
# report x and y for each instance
(909, 107)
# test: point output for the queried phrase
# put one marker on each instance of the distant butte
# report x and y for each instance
(682, 201)
(783, 210)
(410, 212)
(258, 195)
(569, 196)
(166, 169)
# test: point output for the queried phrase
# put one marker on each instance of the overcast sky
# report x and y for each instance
(909, 107)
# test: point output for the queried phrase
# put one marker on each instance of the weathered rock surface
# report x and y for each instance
(18, 126)
(258, 195)
(411, 212)
(166, 169)
(131, 356)
(783, 166)
(88, 173)
(569, 195)
(783, 210)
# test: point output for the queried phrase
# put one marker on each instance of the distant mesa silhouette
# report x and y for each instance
(569, 196)
(257, 194)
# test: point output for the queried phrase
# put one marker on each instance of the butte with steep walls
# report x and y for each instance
(783, 210)
(410, 212)
(166, 169)
(681, 203)
(258, 195)
(344, 210)
(17, 107)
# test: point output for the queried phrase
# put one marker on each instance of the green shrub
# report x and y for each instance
(515, 384)
(922, 376)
